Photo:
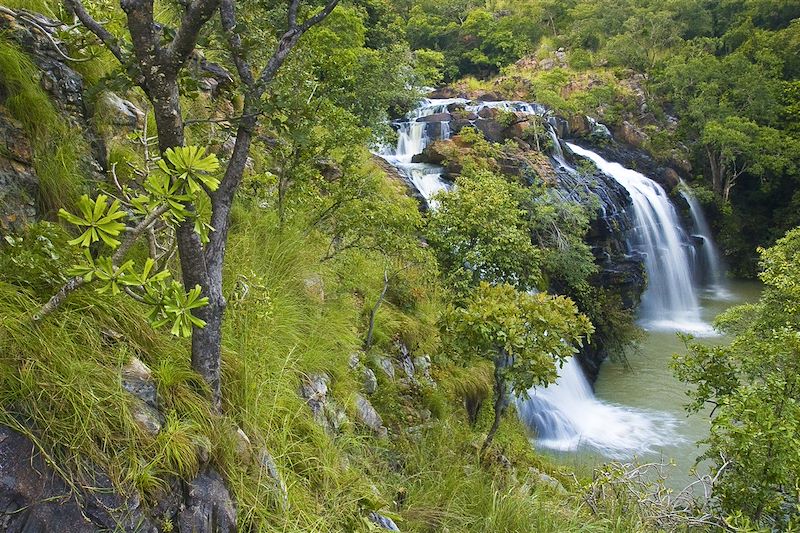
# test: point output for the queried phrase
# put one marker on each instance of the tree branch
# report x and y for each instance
(77, 282)
(96, 28)
(287, 42)
(227, 15)
(197, 14)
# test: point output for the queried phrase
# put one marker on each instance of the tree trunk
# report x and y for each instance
(374, 312)
(501, 362)
(717, 171)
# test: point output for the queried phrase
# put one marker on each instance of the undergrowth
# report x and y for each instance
(58, 147)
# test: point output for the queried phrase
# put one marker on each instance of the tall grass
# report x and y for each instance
(58, 148)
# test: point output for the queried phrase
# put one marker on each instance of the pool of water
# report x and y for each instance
(648, 385)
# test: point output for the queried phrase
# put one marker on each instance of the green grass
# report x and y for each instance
(59, 151)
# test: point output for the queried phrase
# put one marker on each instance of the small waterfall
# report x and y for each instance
(566, 415)
(669, 302)
(711, 272)
(412, 138)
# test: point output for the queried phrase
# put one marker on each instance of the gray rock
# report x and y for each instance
(208, 506)
(137, 379)
(537, 476)
(383, 522)
(423, 367)
(146, 417)
(315, 287)
(35, 499)
(370, 381)
(354, 361)
(368, 416)
(120, 112)
(326, 412)
(436, 117)
(19, 184)
(386, 365)
(270, 468)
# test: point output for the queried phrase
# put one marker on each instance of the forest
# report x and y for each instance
(399, 265)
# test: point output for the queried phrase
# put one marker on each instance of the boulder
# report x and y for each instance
(578, 126)
(119, 112)
(137, 379)
(370, 381)
(146, 417)
(383, 522)
(315, 287)
(436, 117)
(326, 412)
(208, 506)
(35, 499)
(369, 417)
(630, 134)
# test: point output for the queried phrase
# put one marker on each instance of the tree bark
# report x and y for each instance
(374, 313)
(501, 362)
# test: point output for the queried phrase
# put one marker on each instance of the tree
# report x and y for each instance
(480, 232)
(753, 385)
(526, 336)
(156, 55)
(737, 146)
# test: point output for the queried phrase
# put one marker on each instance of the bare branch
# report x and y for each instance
(96, 28)
(294, 5)
(286, 43)
(197, 14)
(227, 12)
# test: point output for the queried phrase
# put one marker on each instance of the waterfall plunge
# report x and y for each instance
(710, 271)
(566, 414)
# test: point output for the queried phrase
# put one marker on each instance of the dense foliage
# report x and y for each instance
(753, 385)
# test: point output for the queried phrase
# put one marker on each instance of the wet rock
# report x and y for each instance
(436, 117)
(406, 363)
(208, 505)
(383, 522)
(119, 112)
(492, 130)
(368, 416)
(578, 126)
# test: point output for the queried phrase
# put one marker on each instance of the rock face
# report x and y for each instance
(35, 499)
(208, 506)
(18, 181)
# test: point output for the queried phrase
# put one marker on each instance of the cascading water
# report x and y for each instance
(669, 302)
(567, 415)
(710, 271)
(415, 133)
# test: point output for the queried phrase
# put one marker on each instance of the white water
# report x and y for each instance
(567, 416)
(669, 302)
(711, 272)
(413, 138)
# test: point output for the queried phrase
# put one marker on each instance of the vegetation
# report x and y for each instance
(753, 387)
(258, 200)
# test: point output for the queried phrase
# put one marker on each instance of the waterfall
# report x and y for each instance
(412, 138)
(710, 271)
(669, 302)
(567, 415)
